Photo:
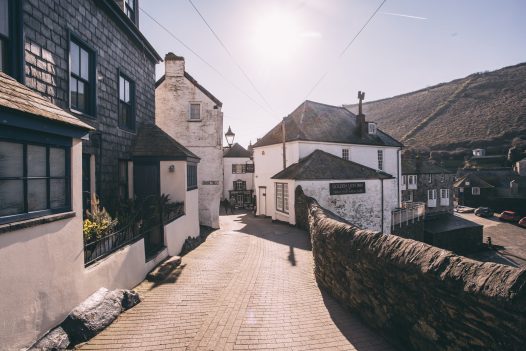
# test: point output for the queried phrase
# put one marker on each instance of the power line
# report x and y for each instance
(230, 55)
(346, 48)
(205, 62)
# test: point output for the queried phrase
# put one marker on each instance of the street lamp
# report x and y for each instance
(229, 137)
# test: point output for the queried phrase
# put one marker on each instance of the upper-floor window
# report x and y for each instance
(282, 197)
(82, 78)
(4, 33)
(240, 185)
(129, 8)
(475, 191)
(195, 111)
(372, 127)
(412, 179)
(429, 178)
(404, 180)
(191, 176)
(238, 168)
(34, 180)
(126, 103)
(380, 160)
(345, 154)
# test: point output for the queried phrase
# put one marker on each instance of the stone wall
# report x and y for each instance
(47, 28)
(419, 296)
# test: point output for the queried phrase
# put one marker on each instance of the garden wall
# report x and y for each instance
(421, 297)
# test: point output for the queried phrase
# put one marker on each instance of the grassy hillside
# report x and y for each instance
(480, 110)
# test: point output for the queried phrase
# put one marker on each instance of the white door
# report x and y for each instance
(262, 201)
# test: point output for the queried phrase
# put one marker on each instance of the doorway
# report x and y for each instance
(262, 201)
(146, 185)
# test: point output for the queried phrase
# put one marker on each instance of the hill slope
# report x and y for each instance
(479, 110)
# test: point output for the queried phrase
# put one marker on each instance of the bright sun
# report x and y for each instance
(277, 36)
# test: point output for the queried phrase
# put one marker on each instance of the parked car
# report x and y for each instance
(522, 222)
(509, 216)
(483, 212)
(464, 209)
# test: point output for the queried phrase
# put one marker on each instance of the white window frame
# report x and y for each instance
(282, 197)
(475, 190)
(190, 111)
(444, 197)
(345, 154)
(371, 127)
(412, 181)
(431, 198)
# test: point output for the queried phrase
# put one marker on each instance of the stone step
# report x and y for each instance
(163, 270)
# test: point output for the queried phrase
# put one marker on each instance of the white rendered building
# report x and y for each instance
(347, 164)
(192, 115)
(238, 176)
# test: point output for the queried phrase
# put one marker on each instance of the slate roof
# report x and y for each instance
(194, 82)
(16, 96)
(152, 141)
(321, 165)
(448, 223)
(474, 181)
(236, 151)
(421, 166)
(313, 121)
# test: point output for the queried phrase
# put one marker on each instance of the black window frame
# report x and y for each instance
(91, 100)
(191, 176)
(51, 143)
(123, 185)
(130, 126)
(380, 159)
(131, 13)
(13, 56)
(239, 185)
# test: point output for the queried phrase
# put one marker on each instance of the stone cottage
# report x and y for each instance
(238, 176)
(349, 165)
(192, 115)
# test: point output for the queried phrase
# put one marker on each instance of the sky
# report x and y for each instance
(285, 47)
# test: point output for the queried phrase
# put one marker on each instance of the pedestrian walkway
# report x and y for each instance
(249, 286)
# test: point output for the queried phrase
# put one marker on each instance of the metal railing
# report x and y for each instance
(171, 213)
(110, 243)
(410, 212)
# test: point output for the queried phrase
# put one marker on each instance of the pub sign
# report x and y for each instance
(347, 188)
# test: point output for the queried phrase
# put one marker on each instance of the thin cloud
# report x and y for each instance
(402, 15)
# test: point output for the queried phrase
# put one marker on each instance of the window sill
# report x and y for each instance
(194, 120)
(5, 228)
(191, 188)
(127, 130)
(82, 114)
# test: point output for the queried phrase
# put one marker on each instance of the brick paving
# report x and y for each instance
(249, 286)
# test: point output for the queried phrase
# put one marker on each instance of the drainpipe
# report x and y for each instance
(398, 175)
(382, 209)
(284, 140)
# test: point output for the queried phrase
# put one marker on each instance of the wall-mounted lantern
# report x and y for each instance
(171, 169)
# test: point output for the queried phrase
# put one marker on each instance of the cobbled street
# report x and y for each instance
(249, 286)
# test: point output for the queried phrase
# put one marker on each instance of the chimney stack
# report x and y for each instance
(360, 118)
(173, 65)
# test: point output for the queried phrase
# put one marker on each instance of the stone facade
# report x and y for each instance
(427, 182)
(419, 296)
(48, 26)
(174, 93)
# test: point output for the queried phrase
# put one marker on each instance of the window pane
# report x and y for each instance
(57, 162)
(73, 93)
(126, 91)
(58, 193)
(81, 96)
(11, 159)
(11, 197)
(36, 161)
(36, 194)
(121, 88)
(195, 110)
(4, 18)
(74, 58)
(84, 64)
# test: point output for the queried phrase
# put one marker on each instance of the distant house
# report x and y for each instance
(192, 115)
(425, 182)
(238, 176)
(473, 191)
(349, 165)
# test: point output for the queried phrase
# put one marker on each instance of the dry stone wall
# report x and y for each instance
(421, 297)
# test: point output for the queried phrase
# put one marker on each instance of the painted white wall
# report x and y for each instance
(173, 183)
(230, 177)
(204, 137)
(268, 161)
(176, 232)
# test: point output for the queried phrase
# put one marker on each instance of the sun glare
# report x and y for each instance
(277, 35)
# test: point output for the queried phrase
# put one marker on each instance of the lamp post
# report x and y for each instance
(229, 137)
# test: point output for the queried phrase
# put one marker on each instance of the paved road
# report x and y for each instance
(249, 286)
(509, 238)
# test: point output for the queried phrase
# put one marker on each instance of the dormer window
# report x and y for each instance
(372, 128)
(129, 9)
